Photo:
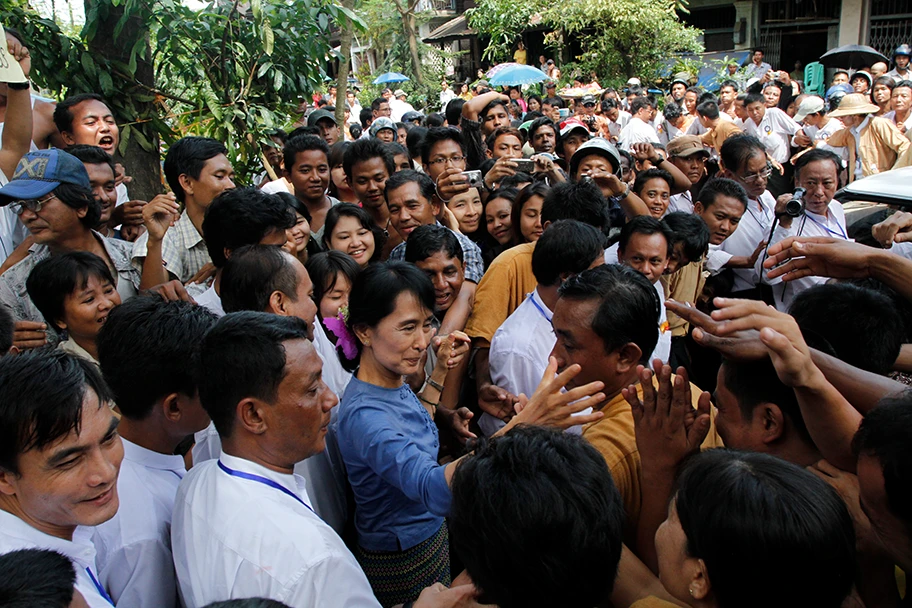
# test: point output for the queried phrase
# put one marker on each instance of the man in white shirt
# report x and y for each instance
(722, 204)
(646, 246)
(817, 126)
(818, 173)
(688, 154)
(61, 456)
(773, 127)
(399, 105)
(519, 351)
(243, 524)
(617, 119)
(446, 94)
(901, 102)
(638, 129)
(743, 159)
(146, 349)
(266, 279)
(757, 67)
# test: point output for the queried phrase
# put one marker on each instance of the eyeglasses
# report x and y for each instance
(588, 105)
(453, 159)
(33, 205)
(753, 178)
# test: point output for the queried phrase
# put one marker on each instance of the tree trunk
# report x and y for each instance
(412, 32)
(143, 166)
(345, 46)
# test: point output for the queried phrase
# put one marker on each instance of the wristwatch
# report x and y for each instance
(19, 86)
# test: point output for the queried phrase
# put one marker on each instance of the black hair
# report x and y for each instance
(41, 397)
(534, 96)
(454, 111)
(608, 104)
(738, 149)
(628, 309)
(376, 103)
(755, 383)
(638, 104)
(690, 230)
(36, 578)
(250, 602)
(341, 210)
(500, 132)
(187, 156)
(373, 297)
(872, 344)
(324, 269)
(652, 173)
(438, 134)
(337, 154)
(515, 181)
(295, 203)
(817, 154)
(243, 216)
(76, 197)
(566, 247)
(427, 240)
(648, 225)
(414, 141)
(355, 130)
(730, 83)
(408, 176)
(524, 196)
(537, 520)
(302, 143)
(303, 130)
(742, 511)
(755, 98)
(365, 117)
(672, 111)
(92, 155)
(582, 201)
(544, 121)
(7, 326)
(243, 356)
(364, 150)
(63, 115)
(884, 434)
(554, 102)
(491, 105)
(147, 350)
(634, 89)
(708, 109)
(434, 119)
(253, 273)
(721, 186)
(54, 278)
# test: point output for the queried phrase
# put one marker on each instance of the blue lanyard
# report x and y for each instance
(827, 228)
(101, 590)
(540, 309)
(264, 481)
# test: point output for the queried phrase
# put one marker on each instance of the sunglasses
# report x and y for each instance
(33, 205)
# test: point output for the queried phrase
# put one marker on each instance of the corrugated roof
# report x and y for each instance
(457, 27)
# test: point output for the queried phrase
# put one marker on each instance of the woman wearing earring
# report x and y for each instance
(388, 439)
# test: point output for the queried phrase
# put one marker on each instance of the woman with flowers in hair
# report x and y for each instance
(387, 436)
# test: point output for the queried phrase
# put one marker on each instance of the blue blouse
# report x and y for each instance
(389, 444)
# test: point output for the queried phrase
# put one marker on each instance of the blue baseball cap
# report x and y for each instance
(40, 172)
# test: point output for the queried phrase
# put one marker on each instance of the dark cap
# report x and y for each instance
(40, 172)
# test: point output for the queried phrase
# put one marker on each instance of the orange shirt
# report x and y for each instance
(716, 137)
(502, 289)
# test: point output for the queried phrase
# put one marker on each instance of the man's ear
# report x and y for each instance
(250, 416)
(698, 208)
(67, 138)
(171, 408)
(186, 183)
(278, 303)
(628, 356)
(7, 482)
(773, 421)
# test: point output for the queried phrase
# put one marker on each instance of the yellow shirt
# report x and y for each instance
(614, 437)
(502, 289)
(685, 285)
(519, 56)
(717, 136)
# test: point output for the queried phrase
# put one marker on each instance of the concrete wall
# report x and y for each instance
(854, 22)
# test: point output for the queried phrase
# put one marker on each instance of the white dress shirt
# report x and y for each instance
(753, 228)
(832, 224)
(616, 126)
(235, 537)
(680, 202)
(775, 131)
(891, 116)
(663, 346)
(15, 534)
(635, 132)
(210, 300)
(902, 249)
(134, 547)
(716, 259)
(519, 353)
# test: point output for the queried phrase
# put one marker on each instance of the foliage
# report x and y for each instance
(625, 37)
(220, 72)
(504, 22)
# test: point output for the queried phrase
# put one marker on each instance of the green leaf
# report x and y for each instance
(143, 141)
(264, 68)
(268, 38)
(277, 80)
(107, 85)
(88, 65)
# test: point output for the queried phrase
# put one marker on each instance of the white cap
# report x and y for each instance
(634, 80)
(809, 105)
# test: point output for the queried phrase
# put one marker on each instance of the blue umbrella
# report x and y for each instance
(391, 77)
(517, 74)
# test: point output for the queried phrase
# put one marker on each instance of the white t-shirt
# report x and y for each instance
(636, 132)
(134, 547)
(233, 537)
(753, 228)
(775, 131)
(12, 230)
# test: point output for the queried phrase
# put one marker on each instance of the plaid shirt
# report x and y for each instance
(471, 256)
(14, 296)
(184, 251)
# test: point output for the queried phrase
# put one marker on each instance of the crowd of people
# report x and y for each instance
(513, 353)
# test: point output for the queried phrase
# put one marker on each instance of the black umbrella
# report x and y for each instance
(851, 56)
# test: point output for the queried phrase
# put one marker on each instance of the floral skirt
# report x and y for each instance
(397, 577)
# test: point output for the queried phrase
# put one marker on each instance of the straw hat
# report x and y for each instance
(856, 103)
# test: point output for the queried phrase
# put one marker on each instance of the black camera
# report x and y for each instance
(795, 207)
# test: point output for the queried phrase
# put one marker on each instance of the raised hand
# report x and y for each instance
(549, 406)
